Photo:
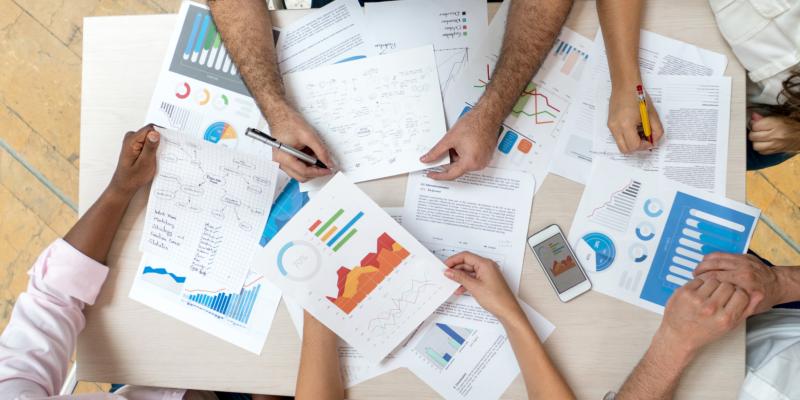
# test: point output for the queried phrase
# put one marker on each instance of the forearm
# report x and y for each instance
(319, 376)
(246, 31)
(789, 278)
(531, 30)
(657, 375)
(620, 21)
(542, 378)
(93, 233)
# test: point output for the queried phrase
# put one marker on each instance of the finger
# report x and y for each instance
(756, 117)
(765, 148)
(765, 124)
(619, 137)
(465, 267)
(449, 172)
(722, 294)
(759, 136)
(302, 172)
(151, 140)
(694, 284)
(712, 265)
(739, 305)
(320, 151)
(441, 149)
(708, 287)
(463, 278)
(463, 257)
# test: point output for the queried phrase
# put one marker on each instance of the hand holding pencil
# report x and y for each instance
(629, 114)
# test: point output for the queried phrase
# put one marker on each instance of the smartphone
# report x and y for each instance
(560, 265)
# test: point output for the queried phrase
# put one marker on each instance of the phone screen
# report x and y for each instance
(559, 262)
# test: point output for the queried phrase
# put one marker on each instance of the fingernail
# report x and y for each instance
(152, 136)
(424, 158)
(448, 273)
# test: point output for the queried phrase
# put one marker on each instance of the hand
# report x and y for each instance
(137, 161)
(470, 142)
(482, 278)
(699, 313)
(624, 119)
(762, 283)
(290, 128)
(772, 135)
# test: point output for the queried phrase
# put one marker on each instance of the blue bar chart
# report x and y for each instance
(236, 306)
(441, 343)
(694, 228)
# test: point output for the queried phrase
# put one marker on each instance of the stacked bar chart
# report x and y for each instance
(236, 306)
(572, 58)
(330, 233)
(201, 54)
(441, 343)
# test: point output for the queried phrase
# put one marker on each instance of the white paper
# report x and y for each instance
(453, 27)
(465, 359)
(530, 133)
(207, 208)
(377, 115)
(322, 260)
(485, 212)
(331, 34)
(199, 91)
(695, 112)
(658, 55)
(640, 236)
(243, 320)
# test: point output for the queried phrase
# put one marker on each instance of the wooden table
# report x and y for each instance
(598, 339)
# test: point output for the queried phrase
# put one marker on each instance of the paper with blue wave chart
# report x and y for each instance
(640, 236)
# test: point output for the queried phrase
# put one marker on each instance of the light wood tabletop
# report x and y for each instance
(597, 341)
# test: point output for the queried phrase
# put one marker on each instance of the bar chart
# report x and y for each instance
(201, 54)
(330, 233)
(694, 228)
(441, 343)
(572, 59)
(236, 306)
(616, 212)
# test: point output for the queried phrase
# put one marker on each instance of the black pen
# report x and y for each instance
(271, 141)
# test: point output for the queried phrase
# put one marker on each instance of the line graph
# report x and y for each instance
(235, 306)
(400, 306)
(543, 111)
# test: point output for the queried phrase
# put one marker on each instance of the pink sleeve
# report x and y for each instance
(36, 346)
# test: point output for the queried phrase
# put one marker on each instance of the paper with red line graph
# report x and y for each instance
(355, 269)
(530, 132)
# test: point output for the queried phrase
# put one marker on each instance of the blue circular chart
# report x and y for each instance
(645, 231)
(638, 253)
(603, 248)
(298, 260)
(653, 208)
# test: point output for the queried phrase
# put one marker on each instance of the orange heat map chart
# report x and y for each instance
(357, 283)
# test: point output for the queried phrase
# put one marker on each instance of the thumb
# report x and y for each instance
(150, 146)
(438, 151)
(756, 117)
(462, 277)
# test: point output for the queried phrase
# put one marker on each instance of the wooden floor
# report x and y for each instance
(40, 81)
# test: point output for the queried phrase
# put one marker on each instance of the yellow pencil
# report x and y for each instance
(643, 113)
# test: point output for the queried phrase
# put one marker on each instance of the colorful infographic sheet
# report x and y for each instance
(355, 269)
(530, 133)
(640, 236)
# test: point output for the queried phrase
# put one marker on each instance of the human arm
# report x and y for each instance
(473, 137)
(483, 280)
(319, 376)
(620, 21)
(697, 314)
(37, 343)
(765, 286)
(775, 134)
(246, 30)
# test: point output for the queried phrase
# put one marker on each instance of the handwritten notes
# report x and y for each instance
(376, 115)
(207, 208)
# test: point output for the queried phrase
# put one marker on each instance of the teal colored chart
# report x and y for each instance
(603, 248)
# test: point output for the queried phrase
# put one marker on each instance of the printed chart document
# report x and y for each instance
(658, 55)
(332, 34)
(377, 115)
(695, 113)
(453, 27)
(345, 261)
(640, 236)
(485, 212)
(207, 208)
(199, 90)
(530, 133)
(241, 317)
(465, 359)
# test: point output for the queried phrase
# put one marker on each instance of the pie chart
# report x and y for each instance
(220, 132)
(596, 251)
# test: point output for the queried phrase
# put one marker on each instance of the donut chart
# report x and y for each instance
(220, 131)
(596, 251)
(653, 208)
(183, 90)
